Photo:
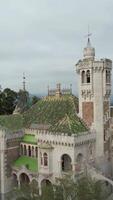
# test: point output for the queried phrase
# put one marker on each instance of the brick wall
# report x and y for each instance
(88, 112)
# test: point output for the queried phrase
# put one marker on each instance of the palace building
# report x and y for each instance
(61, 133)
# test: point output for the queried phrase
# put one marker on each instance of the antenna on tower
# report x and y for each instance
(24, 83)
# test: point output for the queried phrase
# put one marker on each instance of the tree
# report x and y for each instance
(7, 101)
(47, 192)
(89, 189)
(66, 189)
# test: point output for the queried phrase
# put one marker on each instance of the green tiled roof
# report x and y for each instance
(30, 163)
(60, 114)
(12, 122)
(29, 139)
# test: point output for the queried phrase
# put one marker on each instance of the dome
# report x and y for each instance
(89, 51)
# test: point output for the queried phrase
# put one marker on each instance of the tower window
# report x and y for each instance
(41, 158)
(45, 159)
(83, 76)
(108, 76)
(88, 76)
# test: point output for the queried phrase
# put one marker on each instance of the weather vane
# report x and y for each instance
(89, 34)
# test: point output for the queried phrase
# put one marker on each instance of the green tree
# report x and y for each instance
(7, 101)
(89, 189)
(47, 193)
(66, 189)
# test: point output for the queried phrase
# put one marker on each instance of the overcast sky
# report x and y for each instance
(45, 38)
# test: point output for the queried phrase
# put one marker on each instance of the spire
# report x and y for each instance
(24, 83)
(89, 51)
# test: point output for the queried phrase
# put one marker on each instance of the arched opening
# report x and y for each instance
(32, 151)
(41, 159)
(29, 151)
(45, 156)
(36, 150)
(47, 189)
(79, 158)
(79, 161)
(15, 181)
(24, 179)
(25, 150)
(46, 182)
(66, 163)
(21, 150)
(88, 76)
(83, 76)
(34, 187)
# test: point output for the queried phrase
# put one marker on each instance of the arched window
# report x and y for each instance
(25, 150)
(32, 151)
(108, 76)
(83, 76)
(45, 159)
(79, 162)
(41, 158)
(21, 150)
(29, 151)
(79, 158)
(66, 163)
(36, 150)
(88, 76)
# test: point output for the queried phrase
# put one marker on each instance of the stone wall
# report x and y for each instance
(11, 154)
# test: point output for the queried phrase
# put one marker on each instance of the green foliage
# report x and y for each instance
(87, 189)
(66, 189)
(7, 101)
(23, 102)
(47, 193)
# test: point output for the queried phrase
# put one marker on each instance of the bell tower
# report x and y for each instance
(94, 95)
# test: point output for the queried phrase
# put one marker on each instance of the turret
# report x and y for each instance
(89, 51)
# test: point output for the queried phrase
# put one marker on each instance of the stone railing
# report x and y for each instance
(64, 139)
(80, 139)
